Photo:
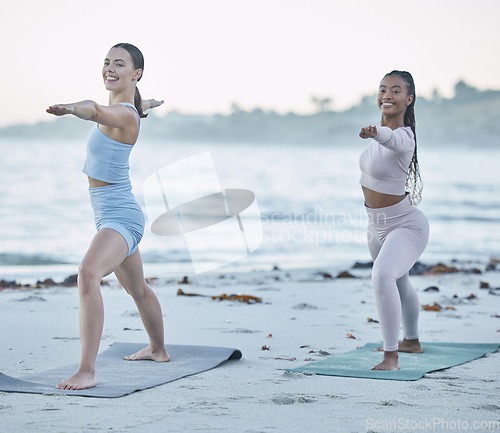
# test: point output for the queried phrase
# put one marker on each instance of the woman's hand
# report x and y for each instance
(147, 104)
(368, 132)
(61, 109)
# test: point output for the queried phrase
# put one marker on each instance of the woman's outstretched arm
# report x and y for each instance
(83, 109)
(147, 104)
(368, 132)
(114, 116)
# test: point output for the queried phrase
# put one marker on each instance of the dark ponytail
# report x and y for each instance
(138, 60)
(138, 103)
(414, 180)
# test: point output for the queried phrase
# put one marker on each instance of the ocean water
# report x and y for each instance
(310, 204)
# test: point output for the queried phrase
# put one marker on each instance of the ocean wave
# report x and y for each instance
(17, 259)
(463, 218)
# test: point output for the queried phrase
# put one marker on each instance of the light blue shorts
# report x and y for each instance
(115, 208)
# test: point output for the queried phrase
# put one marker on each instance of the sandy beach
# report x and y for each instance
(304, 316)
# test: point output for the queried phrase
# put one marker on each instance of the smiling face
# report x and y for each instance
(393, 97)
(118, 71)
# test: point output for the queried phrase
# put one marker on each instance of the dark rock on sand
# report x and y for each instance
(440, 268)
(473, 271)
(419, 269)
(325, 275)
(9, 284)
(362, 265)
(345, 274)
(49, 282)
(491, 267)
(70, 281)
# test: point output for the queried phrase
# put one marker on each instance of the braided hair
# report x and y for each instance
(414, 180)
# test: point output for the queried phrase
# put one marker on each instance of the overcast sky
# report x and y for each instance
(202, 55)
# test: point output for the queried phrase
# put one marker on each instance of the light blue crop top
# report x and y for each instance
(385, 162)
(107, 159)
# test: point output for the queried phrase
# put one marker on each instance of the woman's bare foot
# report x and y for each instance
(407, 346)
(390, 362)
(410, 346)
(148, 354)
(80, 380)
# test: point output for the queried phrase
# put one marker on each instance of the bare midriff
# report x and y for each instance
(377, 200)
(94, 183)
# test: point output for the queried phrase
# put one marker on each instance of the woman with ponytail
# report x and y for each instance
(397, 231)
(119, 219)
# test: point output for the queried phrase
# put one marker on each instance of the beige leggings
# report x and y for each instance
(397, 236)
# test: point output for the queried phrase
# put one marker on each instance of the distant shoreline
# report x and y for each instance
(469, 118)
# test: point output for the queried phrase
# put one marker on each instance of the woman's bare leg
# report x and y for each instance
(107, 250)
(131, 276)
(408, 346)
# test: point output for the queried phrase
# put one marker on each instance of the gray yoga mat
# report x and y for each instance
(117, 377)
(436, 356)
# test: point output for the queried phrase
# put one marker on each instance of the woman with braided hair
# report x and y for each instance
(397, 231)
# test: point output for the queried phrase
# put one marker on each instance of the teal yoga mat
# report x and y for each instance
(117, 377)
(436, 356)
